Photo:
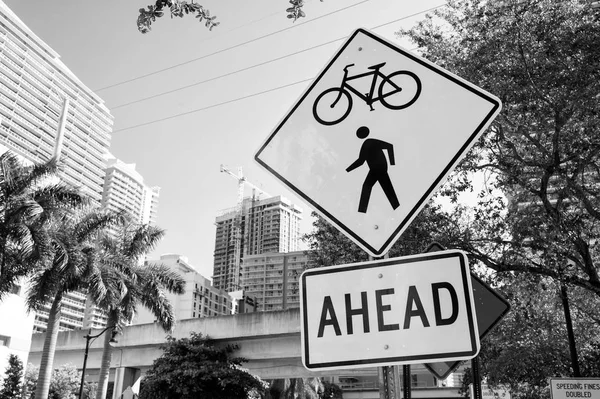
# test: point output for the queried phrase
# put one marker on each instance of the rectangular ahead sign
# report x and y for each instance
(402, 310)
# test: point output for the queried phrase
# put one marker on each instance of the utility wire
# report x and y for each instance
(212, 106)
(224, 75)
(228, 48)
(258, 93)
(259, 64)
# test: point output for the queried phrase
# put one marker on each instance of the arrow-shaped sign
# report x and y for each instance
(490, 308)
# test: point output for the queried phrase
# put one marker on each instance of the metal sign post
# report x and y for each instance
(406, 381)
(389, 382)
(476, 378)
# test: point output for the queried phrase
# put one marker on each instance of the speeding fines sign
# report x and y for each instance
(401, 310)
(569, 388)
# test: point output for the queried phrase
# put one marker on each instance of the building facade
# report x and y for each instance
(36, 91)
(273, 280)
(200, 299)
(15, 327)
(46, 112)
(124, 190)
(270, 225)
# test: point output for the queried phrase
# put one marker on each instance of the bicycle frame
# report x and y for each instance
(368, 98)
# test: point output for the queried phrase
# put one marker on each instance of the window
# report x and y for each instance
(4, 340)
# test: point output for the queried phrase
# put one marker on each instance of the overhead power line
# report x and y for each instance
(212, 106)
(264, 91)
(260, 64)
(227, 48)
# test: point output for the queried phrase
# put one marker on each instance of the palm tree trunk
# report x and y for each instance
(43, 383)
(106, 357)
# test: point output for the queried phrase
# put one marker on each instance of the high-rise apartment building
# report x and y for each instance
(261, 226)
(124, 189)
(272, 280)
(46, 111)
(200, 299)
(34, 87)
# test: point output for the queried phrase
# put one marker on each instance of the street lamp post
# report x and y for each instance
(89, 338)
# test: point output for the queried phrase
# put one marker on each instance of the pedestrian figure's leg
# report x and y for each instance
(388, 189)
(365, 194)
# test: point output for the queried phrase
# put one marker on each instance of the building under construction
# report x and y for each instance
(256, 227)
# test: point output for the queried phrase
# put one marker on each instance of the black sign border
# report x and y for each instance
(465, 276)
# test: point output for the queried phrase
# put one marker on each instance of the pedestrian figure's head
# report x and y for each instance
(362, 132)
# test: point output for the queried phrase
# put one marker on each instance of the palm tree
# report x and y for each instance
(295, 388)
(74, 267)
(29, 197)
(131, 284)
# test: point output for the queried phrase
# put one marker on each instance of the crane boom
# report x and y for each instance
(242, 179)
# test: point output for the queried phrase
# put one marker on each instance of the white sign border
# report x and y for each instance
(468, 293)
(436, 184)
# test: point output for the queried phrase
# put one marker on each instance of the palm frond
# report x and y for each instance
(143, 240)
(94, 222)
(165, 277)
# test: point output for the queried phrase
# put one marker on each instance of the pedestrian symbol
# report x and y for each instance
(372, 153)
(374, 136)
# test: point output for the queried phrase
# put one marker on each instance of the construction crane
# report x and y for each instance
(237, 224)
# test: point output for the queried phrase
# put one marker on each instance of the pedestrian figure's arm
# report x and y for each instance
(355, 164)
(390, 150)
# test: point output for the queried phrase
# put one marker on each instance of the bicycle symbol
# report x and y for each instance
(398, 90)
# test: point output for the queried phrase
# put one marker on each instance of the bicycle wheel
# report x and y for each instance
(331, 107)
(400, 90)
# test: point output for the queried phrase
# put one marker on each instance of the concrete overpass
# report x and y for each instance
(269, 340)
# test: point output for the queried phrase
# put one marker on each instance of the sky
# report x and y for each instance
(242, 78)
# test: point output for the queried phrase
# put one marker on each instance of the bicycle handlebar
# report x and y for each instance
(348, 66)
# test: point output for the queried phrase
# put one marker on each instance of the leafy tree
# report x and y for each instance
(328, 246)
(30, 381)
(541, 58)
(180, 8)
(29, 198)
(131, 284)
(331, 391)
(177, 8)
(195, 367)
(73, 267)
(11, 384)
(295, 388)
(531, 343)
(64, 383)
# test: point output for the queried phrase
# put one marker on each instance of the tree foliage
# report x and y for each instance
(181, 8)
(177, 8)
(73, 267)
(130, 284)
(295, 388)
(195, 367)
(331, 391)
(328, 246)
(63, 385)
(531, 344)
(541, 57)
(29, 199)
(11, 383)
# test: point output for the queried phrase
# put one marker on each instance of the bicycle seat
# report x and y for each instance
(377, 66)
